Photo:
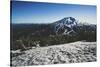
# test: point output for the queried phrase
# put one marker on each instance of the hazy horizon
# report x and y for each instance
(39, 12)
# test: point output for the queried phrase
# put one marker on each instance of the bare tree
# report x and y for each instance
(21, 44)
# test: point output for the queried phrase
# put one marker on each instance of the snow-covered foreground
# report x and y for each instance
(66, 53)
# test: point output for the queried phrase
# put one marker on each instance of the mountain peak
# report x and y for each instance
(66, 24)
(67, 17)
(68, 20)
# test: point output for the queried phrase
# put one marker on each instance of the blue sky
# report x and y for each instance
(37, 12)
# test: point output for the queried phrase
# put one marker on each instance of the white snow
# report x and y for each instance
(66, 22)
(65, 53)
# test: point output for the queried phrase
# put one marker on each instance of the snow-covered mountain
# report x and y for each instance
(65, 30)
(69, 25)
(65, 25)
(41, 44)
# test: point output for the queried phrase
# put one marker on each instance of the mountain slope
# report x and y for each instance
(62, 31)
(66, 53)
(65, 25)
